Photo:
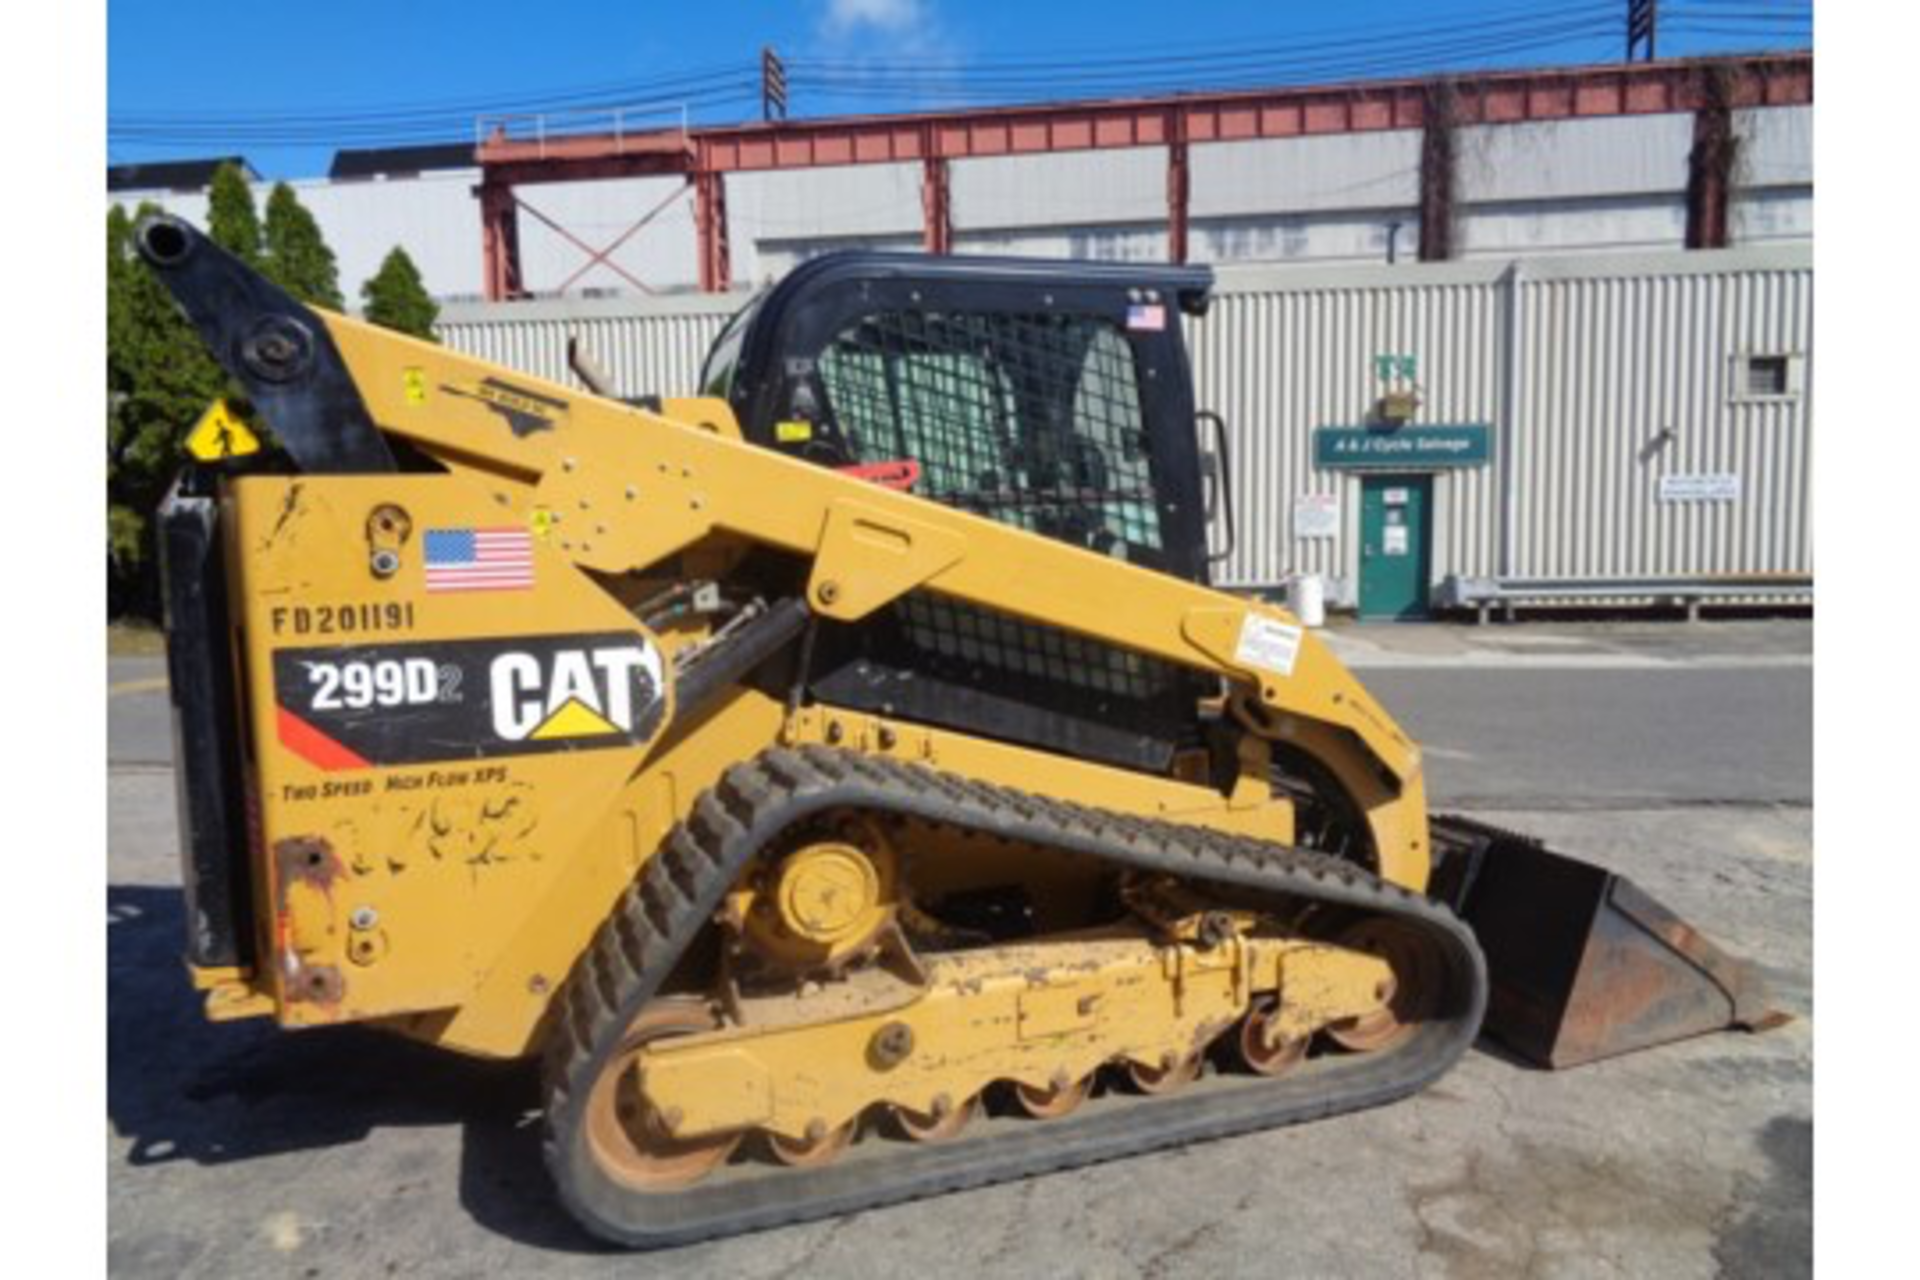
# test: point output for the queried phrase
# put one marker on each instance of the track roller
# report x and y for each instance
(1265, 1056)
(943, 1124)
(1175, 1072)
(821, 1147)
(1061, 1097)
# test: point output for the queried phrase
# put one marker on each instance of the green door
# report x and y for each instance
(1394, 557)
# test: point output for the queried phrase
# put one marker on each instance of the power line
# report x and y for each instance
(1306, 37)
(578, 95)
(1351, 39)
(428, 129)
(1801, 7)
(464, 120)
(1323, 54)
(1397, 49)
(716, 85)
(1423, 58)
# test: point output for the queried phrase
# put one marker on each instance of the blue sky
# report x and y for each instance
(285, 85)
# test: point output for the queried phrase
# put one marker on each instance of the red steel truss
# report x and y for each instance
(707, 154)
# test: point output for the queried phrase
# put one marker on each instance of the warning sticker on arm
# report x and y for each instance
(1267, 645)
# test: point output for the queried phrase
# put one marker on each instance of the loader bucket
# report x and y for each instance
(1583, 964)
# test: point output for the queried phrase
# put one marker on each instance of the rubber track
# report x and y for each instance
(681, 887)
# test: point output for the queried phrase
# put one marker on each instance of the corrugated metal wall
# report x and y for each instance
(648, 347)
(1659, 393)
(1282, 353)
(1627, 370)
(1613, 355)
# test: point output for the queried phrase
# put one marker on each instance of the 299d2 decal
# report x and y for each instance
(370, 706)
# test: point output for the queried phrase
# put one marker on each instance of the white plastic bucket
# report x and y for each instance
(1307, 599)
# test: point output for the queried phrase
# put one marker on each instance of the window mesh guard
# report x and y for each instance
(1033, 420)
(974, 637)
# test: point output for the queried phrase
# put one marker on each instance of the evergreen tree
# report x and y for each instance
(297, 256)
(159, 380)
(396, 298)
(123, 525)
(231, 219)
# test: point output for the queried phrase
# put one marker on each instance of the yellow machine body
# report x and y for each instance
(475, 884)
(482, 748)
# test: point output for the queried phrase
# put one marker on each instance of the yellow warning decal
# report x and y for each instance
(220, 434)
(414, 383)
(792, 432)
(541, 521)
(573, 720)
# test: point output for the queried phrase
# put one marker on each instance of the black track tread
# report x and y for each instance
(680, 888)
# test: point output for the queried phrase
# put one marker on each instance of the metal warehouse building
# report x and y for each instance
(1392, 428)
(1594, 159)
(1544, 333)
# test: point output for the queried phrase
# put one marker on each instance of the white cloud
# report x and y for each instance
(887, 34)
(893, 16)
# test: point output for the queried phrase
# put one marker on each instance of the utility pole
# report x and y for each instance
(773, 84)
(1643, 20)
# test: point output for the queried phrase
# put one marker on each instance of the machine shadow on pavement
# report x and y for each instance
(181, 1088)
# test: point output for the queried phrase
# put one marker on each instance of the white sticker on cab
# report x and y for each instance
(1268, 645)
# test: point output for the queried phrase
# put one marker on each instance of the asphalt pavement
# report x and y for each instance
(1681, 755)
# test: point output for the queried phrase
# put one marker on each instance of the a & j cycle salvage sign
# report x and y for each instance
(1415, 448)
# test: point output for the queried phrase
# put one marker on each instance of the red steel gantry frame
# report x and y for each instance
(704, 156)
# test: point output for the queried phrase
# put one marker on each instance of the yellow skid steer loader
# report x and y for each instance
(846, 781)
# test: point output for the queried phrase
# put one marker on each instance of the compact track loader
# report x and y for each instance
(846, 781)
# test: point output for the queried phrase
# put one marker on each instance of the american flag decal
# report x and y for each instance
(479, 559)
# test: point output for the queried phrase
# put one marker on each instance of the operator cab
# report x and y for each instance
(1054, 396)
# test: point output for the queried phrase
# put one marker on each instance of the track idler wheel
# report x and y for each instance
(1264, 1057)
(1060, 1098)
(943, 1124)
(822, 1146)
(625, 1135)
(1406, 999)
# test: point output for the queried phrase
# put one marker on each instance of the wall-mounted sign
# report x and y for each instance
(1415, 448)
(1316, 515)
(1389, 367)
(1701, 488)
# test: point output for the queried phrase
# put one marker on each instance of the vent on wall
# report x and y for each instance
(1766, 377)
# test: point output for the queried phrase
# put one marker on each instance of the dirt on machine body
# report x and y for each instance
(846, 780)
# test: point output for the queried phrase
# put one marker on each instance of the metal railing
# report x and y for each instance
(647, 128)
(1485, 594)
